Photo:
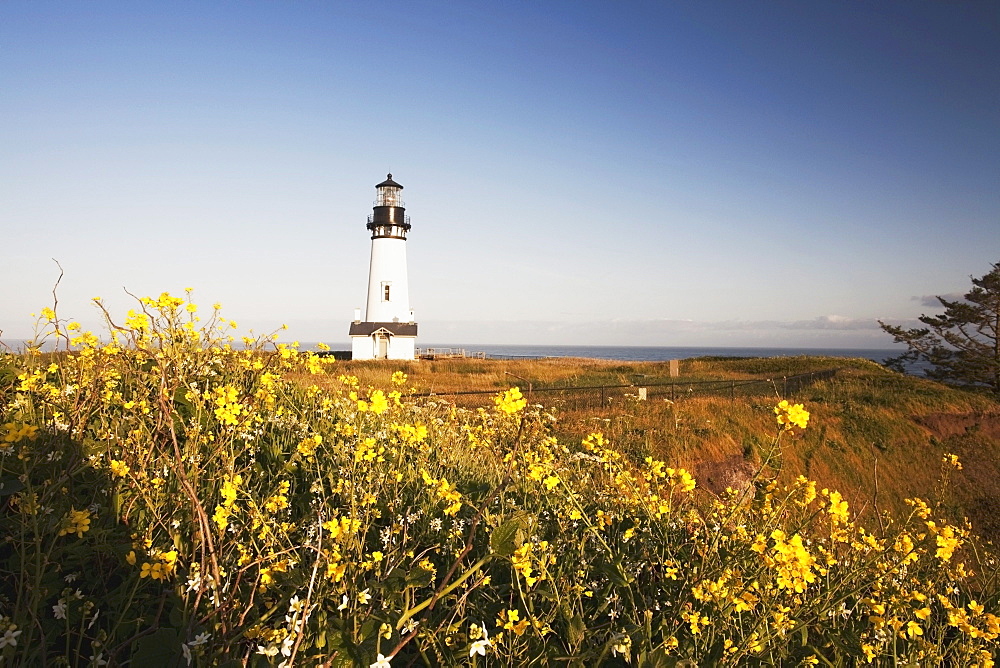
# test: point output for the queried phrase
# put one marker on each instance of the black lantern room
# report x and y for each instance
(389, 219)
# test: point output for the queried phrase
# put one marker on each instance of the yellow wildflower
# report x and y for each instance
(377, 403)
(229, 489)
(228, 409)
(838, 507)
(511, 401)
(160, 569)
(221, 517)
(869, 651)
(682, 479)
(137, 321)
(13, 432)
(947, 542)
(793, 562)
(278, 501)
(307, 446)
(695, 621)
(791, 415)
(152, 570)
(952, 460)
(511, 620)
(521, 561)
(75, 521)
(118, 468)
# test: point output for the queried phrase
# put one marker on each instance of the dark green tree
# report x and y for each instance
(960, 346)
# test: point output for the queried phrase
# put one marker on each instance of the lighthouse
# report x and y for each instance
(388, 330)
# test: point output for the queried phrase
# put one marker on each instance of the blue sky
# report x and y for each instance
(621, 173)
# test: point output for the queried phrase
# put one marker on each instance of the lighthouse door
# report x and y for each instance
(383, 347)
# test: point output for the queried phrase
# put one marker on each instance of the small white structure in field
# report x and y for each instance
(388, 330)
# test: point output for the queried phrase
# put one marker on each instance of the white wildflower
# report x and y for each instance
(10, 637)
(479, 647)
(269, 650)
(381, 662)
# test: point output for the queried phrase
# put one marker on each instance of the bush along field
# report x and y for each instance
(169, 498)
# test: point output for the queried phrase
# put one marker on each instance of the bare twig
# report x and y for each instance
(55, 303)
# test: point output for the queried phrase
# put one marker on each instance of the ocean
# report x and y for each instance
(647, 353)
(624, 353)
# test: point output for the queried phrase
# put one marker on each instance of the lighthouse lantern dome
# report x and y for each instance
(389, 219)
(388, 193)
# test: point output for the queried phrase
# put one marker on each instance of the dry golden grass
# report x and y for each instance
(865, 437)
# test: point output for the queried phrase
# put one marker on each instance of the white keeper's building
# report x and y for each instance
(388, 330)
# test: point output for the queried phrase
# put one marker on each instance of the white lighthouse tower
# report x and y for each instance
(388, 330)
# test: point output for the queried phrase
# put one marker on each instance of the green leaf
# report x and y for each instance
(576, 631)
(419, 577)
(335, 640)
(90, 447)
(368, 630)
(615, 573)
(10, 486)
(546, 592)
(510, 535)
(821, 656)
(177, 616)
(657, 658)
(716, 653)
(343, 660)
(159, 649)
(847, 642)
(182, 402)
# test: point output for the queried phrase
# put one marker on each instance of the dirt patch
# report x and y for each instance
(734, 473)
(947, 425)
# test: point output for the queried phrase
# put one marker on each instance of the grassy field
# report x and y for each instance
(879, 436)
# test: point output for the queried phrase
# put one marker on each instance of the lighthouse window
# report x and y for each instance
(389, 196)
(385, 293)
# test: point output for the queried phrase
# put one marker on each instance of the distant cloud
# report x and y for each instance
(932, 300)
(832, 322)
(829, 330)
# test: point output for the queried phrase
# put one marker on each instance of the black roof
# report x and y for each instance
(397, 328)
(389, 182)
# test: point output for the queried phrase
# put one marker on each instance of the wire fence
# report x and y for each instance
(592, 396)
